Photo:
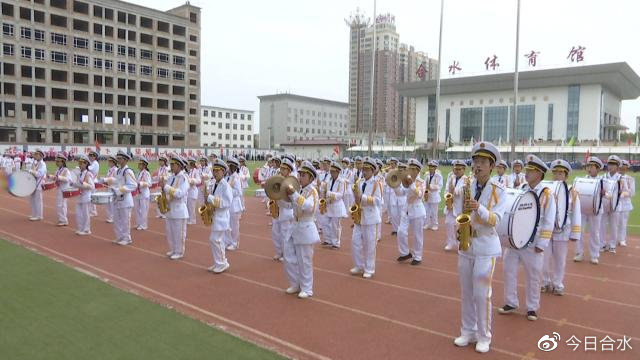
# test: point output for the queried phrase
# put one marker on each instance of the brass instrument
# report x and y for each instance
(395, 177)
(274, 209)
(448, 198)
(206, 210)
(323, 200)
(163, 202)
(276, 187)
(355, 210)
(464, 220)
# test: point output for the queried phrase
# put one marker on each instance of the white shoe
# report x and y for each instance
(367, 275)
(84, 233)
(34, 218)
(356, 271)
(232, 247)
(448, 248)
(124, 242)
(623, 243)
(221, 269)
(434, 228)
(176, 256)
(612, 250)
(463, 340)
(578, 258)
(169, 253)
(109, 221)
(594, 261)
(292, 290)
(277, 257)
(303, 295)
(62, 224)
(483, 346)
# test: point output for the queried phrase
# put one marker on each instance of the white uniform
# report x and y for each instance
(434, 184)
(298, 247)
(39, 170)
(380, 180)
(192, 198)
(412, 217)
(501, 179)
(85, 183)
(348, 175)
(264, 173)
(454, 186)
(94, 167)
(364, 237)
(163, 173)
(109, 179)
(336, 210)
(321, 185)
(396, 204)
(555, 256)
(28, 163)
(611, 218)
(511, 180)
(476, 265)
(626, 206)
(221, 196)
(124, 185)
(176, 189)
(530, 259)
(62, 179)
(142, 199)
(282, 227)
(205, 175)
(592, 223)
(232, 241)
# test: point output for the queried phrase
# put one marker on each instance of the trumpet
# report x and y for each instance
(355, 210)
(464, 220)
(206, 210)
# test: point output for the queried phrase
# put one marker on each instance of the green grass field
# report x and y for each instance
(50, 311)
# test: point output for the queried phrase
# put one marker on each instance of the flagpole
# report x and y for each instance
(437, 107)
(373, 75)
(514, 118)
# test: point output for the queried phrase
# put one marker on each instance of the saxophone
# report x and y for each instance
(162, 201)
(206, 210)
(355, 210)
(425, 197)
(448, 197)
(464, 220)
(274, 209)
(323, 200)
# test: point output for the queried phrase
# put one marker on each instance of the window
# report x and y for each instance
(131, 35)
(526, 118)
(178, 45)
(25, 52)
(97, 29)
(97, 45)
(108, 48)
(122, 67)
(38, 16)
(25, 33)
(25, 13)
(162, 42)
(235, 116)
(146, 54)
(58, 39)
(108, 64)
(131, 52)
(146, 39)
(573, 111)
(97, 11)
(131, 68)
(122, 50)
(193, 53)
(192, 128)
(7, 9)
(39, 54)
(122, 34)
(178, 60)
(193, 38)
(249, 118)
(38, 35)
(80, 43)
(163, 26)
(179, 30)
(178, 75)
(80, 7)
(80, 25)
(206, 113)
(108, 14)
(57, 20)
(162, 57)
(7, 49)
(495, 123)
(122, 17)
(146, 22)
(108, 31)
(163, 73)
(193, 17)
(97, 63)
(60, 4)
(470, 123)
(80, 60)
(146, 70)
(550, 122)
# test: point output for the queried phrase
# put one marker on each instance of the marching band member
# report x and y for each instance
(142, 198)
(206, 174)
(39, 171)
(264, 173)
(501, 168)
(7, 164)
(162, 174)
(62, 179)
(194, 182)
(610, 222)
(122, 188)
(347, 175)
(321, 186)
(476, 264)
(221, 197)
(244, 176)
(594, 165)
(336, 210)
(282, 213)
(28, 161)
(625, 201)
(232, 241)
(364, 238)
(298, 247)
(94, 167)
(109, 180)
(516, 178)
(413, 215)
(392, 164)
(377, 173)
(531, 256)
(176, 190)
(556, 255)
(84, 182)
(455, 186)
(433, 183)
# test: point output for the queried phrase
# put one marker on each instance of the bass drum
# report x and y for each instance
(519, 223)
(21, 183)
(560, 192)
(590, 194)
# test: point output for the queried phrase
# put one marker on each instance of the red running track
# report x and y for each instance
(405, 311)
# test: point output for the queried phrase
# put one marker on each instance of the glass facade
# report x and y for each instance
(525, 122)
(573, 111)
(431, 118)
(495, 123)
(550, 123)
(447, 124)
(470, 123)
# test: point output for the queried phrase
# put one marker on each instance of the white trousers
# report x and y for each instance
(431, 218)
(475, 290)
(532, 262)
(610, 228)
(61, 208)
(333, 231)
(176, 230)
(83, 220)
(122, 223)
(321, 222)
(158, 213)
(216, 240)
(191, 208)
(555, 259)
(451, 236)
(363, 247)
(232, 235)
(298, 265)
(109, 210)
(394, 215)
(348, 199)
(592, 223)
(142, 211)
(624, 220)
(280, 230)
(36, 204)
(415, 226)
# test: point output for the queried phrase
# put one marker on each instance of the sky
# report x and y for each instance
(257, 47)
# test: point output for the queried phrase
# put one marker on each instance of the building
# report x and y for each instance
(288, 117)
(393, 116)
(77, 72)
(580, 102)
(228, 128)
(316, 148)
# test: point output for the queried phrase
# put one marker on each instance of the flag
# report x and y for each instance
(336, 150)
(572, 141)
(629, 140)
(97, 145)
(587, 155)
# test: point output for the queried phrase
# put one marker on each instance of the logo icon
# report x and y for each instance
(548, 343)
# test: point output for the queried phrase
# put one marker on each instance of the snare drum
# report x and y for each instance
(561, 194)
(49, 185)
(73, 192)
(101, 198)
(21, 184)
(612, 188)
(590, 194)
(520, 221)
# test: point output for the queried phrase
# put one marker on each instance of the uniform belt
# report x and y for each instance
(304, 219)
(483, 232)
